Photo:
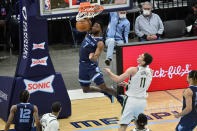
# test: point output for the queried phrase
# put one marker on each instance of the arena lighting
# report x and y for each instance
(172, 60)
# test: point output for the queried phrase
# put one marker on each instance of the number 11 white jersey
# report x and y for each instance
(140, 82)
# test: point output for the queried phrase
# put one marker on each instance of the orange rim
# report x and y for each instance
(87, 7)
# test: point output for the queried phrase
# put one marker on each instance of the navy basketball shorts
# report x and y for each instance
(187, 123)
(89, 72)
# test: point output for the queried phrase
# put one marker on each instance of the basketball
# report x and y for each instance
(83, 25)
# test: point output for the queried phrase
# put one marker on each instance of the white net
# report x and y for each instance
(82, 15)
(88, 12)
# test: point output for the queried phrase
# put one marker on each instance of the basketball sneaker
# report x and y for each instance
(107, 61)
(120, 99)
(109, 96)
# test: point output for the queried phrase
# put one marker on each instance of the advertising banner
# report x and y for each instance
(6, 88)
(34, 55)
(43, 92)
(171, 62)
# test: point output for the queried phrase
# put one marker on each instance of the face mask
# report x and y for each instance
(146, 12)
(122, 15)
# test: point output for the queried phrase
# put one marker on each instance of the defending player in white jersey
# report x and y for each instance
(49, 120)
(139, 82)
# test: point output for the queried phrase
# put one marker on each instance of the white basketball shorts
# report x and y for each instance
(132, 108)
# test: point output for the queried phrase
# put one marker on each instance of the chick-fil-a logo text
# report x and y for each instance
(171, 71)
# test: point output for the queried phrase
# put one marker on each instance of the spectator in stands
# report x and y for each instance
(191, 21)
(148, 26)
(49, 120)
(24, 114)
(117, 33)
(140, 123)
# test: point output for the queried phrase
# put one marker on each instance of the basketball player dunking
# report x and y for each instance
(90, 50)
(140, 78)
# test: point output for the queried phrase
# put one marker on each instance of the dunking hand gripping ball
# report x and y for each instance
(83, 25)
(86, 11)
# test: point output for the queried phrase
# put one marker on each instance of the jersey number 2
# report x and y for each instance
(142, 83)
(25, 113)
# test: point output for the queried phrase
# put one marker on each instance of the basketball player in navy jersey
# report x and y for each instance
(24, 113)
(90, 50)
(189, 111)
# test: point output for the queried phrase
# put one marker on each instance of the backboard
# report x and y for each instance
(54, 8)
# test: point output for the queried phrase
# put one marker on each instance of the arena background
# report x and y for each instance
(61, 42)
(64, 53)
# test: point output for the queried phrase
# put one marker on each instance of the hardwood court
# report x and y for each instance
(99, 114)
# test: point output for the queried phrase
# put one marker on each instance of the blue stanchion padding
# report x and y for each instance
(35, 71)
(34, 57)
(43, 92)
(6, 87)
(34, 129)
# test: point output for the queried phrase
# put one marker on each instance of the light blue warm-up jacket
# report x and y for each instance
(118, 28)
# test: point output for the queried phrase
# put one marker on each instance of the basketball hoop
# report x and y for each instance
(86, 10)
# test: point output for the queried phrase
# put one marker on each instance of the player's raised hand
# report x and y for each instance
(107, 70)
(96, 7)
(177, 115)
(91, 56)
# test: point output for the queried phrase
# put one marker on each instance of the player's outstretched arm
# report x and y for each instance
(129, 72)
(99, 49)
(11, 117)
(36, 118)
(188, 99)
(123, 83)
